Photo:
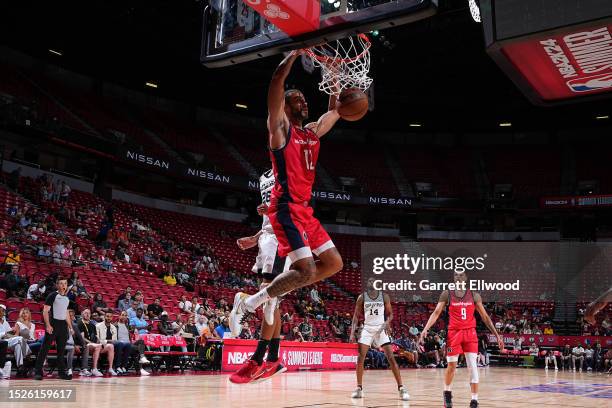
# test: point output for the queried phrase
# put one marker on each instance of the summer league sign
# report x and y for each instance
(499, 271)
(164, 165)
(294, 355)
(573, 202)
(543, 340)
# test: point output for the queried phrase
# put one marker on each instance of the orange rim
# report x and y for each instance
(328, 60)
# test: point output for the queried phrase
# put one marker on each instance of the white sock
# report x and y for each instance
(256, 300)
(475, 397)
(447, 387)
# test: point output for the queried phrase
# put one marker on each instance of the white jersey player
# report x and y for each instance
(377, 315)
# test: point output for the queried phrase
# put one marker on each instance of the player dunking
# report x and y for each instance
(294, 150)
(268, 265)
(376, 308)
(462, 338)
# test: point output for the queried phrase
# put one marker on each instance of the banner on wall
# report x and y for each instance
(553, 340)
(167, 166)
(294, 355)
(589, 201)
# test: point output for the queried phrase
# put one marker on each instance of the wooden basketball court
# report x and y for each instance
(500, 387)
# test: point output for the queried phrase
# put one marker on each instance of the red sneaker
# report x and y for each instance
(270, 370)
(247, 373)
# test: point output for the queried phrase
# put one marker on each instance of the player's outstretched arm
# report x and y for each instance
(277, 120)
(356, 316)
(435, 315)
(486, 319)
(248, 242)
(594, 307)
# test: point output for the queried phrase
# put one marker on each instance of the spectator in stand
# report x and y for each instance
(154, 310)
(107, 335)
(100, 306)
(184, 304)
(245, 334)
(97, 317)
(296, 335)
(125, 303)
(58, 250)
(306, 329)
(124, 346)
(588, 357)
(314, 295)
(21, 338)
(12, 258)
(131, 312)
(82, 232)
(211, 333)
(12, 282)
(223, 328)
(87, 329)
(105, 262)
(81, 291)
(191, 332)
(169, 279)
(201, 324)
(36, 291)
(124, 294)
(77, 259)
(106, 226)
(195, 305)
(432, 351)
(64, 192)
(598, 357)
(608, 361)
(577, 356)
(165, 327)
(139, 322)
(44, 254)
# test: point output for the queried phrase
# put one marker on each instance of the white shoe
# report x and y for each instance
(269, 308)
(96, 373)
(69, 372)
(403, 393)
(556, 369)
(112, 372)
(144, 372)
(358, 393)
(143, 360)
(85, 373)
(580, 369)
(6, 371)
(238, 313)
(546, 368)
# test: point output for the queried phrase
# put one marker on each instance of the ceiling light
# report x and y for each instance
(55, 52)
(505, 124)
(415, 125)
(241, 106)
(151, 84)
(603, 117)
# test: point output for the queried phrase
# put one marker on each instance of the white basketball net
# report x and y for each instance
(475, 10)
(344, 64)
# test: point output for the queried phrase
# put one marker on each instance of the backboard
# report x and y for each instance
(234, 33)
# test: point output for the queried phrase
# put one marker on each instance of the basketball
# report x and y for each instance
(352, 104)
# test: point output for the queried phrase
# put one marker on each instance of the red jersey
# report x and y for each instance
(294, 167)
(461, 311)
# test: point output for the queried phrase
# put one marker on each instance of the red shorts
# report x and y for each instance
(298, 232)
(461, 341)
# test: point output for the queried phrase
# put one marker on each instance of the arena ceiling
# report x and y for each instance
(434, 72)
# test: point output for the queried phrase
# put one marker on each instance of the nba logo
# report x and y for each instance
(590, 84)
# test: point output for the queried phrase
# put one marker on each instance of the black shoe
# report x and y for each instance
(473, 404)
(66, 377)
(448, 399)
(38, 377)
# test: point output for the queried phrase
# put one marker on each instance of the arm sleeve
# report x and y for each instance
(50, 299)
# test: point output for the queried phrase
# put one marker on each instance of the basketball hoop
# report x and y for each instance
(344, 64)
